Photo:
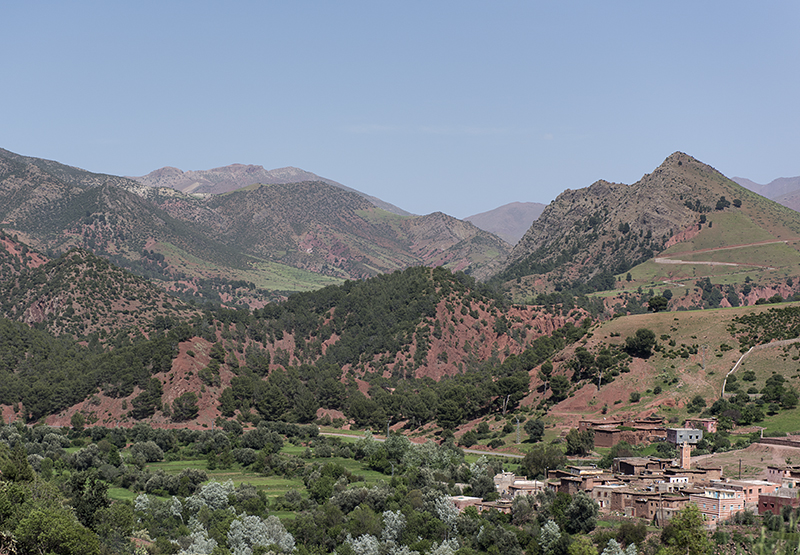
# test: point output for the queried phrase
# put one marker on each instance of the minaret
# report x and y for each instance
(686, 456)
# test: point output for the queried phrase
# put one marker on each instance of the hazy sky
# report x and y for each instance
(454, 106)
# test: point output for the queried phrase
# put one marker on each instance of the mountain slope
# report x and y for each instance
(510, 221)
(590, 235)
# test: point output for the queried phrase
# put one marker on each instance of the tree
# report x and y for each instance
(614, 548)
(542, 458)
(658, 303)
(581, 515)
(580, 443)
(449, 414)
(246, 532)
(55, 530)
(145, 404)
(16, 468)
(148, 450)
(685, 533)
(582, 545)
(535, 430)
(545, 372)
(469, 439)
(78, 421)
(185, 407)
(394, 523)
(641, 343)
(227, 403)
(548, 536)
(630, 533)
(89, 495)
(559, 387)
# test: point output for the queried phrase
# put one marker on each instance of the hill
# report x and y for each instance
(510, 221)
(80, 294)
(586, 240)
(364, 349)
(693, 354)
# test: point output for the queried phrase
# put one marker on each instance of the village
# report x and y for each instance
(652, 488)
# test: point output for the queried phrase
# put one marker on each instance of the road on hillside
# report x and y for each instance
(669, 259)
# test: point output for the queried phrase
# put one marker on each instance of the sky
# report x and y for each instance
(451, 106)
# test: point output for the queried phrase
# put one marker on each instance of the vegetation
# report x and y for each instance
(428, 352)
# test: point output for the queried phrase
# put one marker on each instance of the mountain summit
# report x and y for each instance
(587, 236)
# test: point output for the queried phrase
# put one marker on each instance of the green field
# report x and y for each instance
(274, 486)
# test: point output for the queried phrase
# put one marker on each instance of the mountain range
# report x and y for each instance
(278, 237)
(242, 234)
(105, 269)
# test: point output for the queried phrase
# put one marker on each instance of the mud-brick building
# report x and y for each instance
(774, 502)
(608, 433)
(635, 466)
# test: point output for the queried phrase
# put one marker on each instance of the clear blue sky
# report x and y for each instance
(454, 106)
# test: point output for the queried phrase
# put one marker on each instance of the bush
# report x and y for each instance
(147, 450)
(469, 439)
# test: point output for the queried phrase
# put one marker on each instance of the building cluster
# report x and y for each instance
(654, 488)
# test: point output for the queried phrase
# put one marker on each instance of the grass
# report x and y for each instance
(786, 421)
(121, 494)
(265, 274)
(721, 243)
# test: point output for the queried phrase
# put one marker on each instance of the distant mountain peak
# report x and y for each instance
(225, 179)
(510, 221)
